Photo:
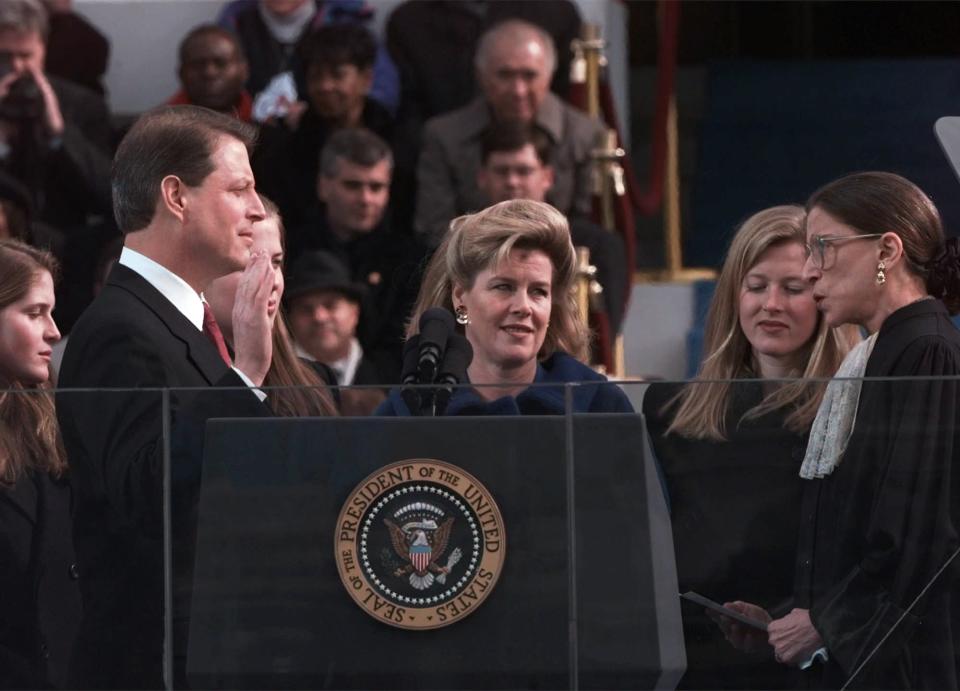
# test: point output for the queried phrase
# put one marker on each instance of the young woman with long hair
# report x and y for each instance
(729, 440)
(39, 594)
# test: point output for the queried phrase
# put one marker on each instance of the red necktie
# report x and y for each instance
(212, 331)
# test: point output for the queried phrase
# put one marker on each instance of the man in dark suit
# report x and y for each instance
(55, 140)
(353, 224)
(184, 198)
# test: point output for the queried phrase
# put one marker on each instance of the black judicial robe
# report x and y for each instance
(735, 508)
(876, 530)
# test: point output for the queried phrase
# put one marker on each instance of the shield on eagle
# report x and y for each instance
(420, 556)
(421, 543)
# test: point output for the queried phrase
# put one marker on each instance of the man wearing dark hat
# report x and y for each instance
(323, 305)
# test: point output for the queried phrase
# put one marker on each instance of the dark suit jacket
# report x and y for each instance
(133, 337)
(39, 593)
(69, 178)
(79, 172)
(76, 50)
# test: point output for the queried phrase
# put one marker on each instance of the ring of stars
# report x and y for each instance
(452, 589)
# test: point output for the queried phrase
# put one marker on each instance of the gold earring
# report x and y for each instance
(462, 317)
(881, 277)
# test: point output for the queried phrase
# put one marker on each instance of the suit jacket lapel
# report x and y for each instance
(23, 496)
(201, 351)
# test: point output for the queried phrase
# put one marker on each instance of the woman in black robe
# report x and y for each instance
(878, 602)
(730, 443)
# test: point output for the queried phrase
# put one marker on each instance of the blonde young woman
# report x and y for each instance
(730, 442)
(39, 593)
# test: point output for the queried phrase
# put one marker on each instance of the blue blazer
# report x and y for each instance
(539, 399)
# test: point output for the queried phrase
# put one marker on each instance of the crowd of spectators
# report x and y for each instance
(368, 147)
(400, 187)
(296, 100)
(338, 130)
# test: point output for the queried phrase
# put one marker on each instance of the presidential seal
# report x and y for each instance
(420, 544)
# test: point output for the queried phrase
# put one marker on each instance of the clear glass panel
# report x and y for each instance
(332, 551)
(843, 541)
(537, 550)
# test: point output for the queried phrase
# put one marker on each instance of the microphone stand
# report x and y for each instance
(453, 370)
(410, 392)
(420, 399)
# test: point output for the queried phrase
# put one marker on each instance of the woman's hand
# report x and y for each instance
(741, 636)
(793, 637)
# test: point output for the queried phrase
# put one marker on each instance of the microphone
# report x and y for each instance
(454, 370)
(408, 376)
(436, 325)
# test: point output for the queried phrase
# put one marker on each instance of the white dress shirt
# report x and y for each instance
(178, 292)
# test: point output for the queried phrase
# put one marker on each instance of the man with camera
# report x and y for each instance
(54, 136)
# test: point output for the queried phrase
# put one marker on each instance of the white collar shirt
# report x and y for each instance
(184, 298)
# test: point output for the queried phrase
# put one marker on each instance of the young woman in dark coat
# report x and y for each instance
(730, 443)
(39, 593)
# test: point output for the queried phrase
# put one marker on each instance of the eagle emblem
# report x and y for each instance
(420, 544)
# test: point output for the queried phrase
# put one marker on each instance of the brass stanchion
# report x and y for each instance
(674, 271)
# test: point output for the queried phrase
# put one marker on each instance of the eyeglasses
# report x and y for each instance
(818, 249)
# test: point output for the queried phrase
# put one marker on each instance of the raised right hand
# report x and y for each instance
(252, 325)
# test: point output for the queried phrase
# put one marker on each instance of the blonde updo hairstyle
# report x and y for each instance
(485, 239)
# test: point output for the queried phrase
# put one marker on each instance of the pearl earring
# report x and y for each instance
(881, 277)
(462, 317)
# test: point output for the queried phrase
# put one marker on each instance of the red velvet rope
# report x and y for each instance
(648, 201)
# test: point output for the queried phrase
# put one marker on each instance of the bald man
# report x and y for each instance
(514, 63)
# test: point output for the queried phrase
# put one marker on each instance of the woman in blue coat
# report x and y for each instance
(507, 273)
